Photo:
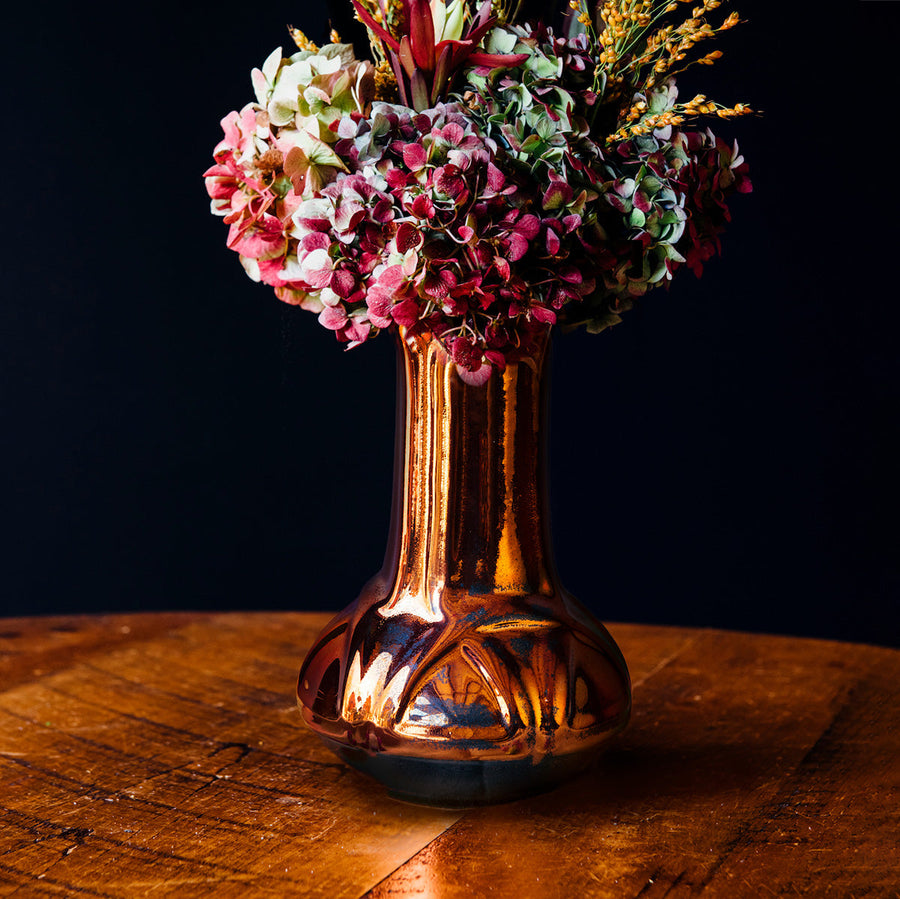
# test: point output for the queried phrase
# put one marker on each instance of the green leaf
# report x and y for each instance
(545, 127)
(311, 163)
(602, 322)
(532, 145)
(650, 184)
(317, 151)
(549, 69)
(500, 40)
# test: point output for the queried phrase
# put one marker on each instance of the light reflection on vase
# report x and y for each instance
(464, 673)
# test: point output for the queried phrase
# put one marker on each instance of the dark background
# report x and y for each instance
(174, 437)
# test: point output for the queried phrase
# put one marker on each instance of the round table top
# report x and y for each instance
(162, 754)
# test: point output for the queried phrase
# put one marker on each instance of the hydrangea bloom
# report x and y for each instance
(544, 190)
(279, 149)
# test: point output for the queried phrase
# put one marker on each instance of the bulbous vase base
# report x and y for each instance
(444, 783)
(501, 698)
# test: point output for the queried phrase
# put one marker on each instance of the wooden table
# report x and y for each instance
(163, 755)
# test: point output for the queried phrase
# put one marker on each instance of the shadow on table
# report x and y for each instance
(647, 777)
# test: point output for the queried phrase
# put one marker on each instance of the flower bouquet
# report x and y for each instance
(481, 178)
(476, 182)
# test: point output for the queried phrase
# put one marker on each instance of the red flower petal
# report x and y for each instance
(409, 237)
(415, 156)
(342, 283)
(552, 242)
(476, 378)
(333, 317)
(495, 178)
(543, 314)
(528, 226)
(518, 247)
(406, 312)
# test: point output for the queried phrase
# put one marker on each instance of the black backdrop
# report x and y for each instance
(173, 437)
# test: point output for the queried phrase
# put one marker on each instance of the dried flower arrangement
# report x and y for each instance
(482, 179)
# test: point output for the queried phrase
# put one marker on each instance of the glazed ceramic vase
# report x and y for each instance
(464, 673)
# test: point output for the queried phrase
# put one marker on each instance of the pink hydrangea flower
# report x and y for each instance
(485, 220)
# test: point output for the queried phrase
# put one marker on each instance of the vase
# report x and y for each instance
(464, 674)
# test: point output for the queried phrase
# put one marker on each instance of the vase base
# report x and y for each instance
(458, 784)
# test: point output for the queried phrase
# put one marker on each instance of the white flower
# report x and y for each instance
(264, 79)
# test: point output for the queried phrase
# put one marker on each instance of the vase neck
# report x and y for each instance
(470, 498)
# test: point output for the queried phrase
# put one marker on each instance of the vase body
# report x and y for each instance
(464, 673)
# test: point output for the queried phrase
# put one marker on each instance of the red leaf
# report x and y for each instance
(418, 87)
(483, 21)
(421, 34)
(400, 76)
(442, 72)
(373, 26)
(406, 56)
(496, 60)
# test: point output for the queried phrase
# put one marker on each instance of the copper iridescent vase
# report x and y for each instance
(464, 673)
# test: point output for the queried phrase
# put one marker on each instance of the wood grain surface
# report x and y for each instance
(162, 755)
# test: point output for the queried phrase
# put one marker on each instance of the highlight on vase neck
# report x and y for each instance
(471, 515)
